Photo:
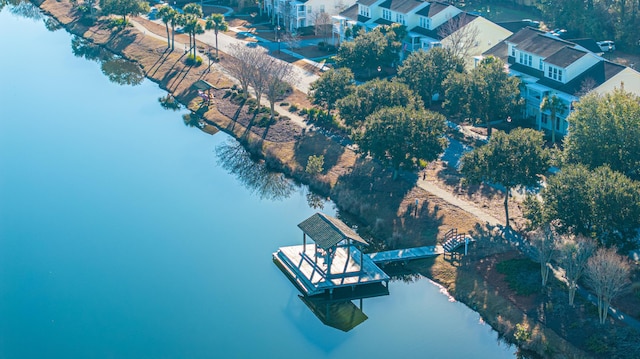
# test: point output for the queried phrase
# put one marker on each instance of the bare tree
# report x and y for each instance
(573, 255)
(607, 274)
(544, 241)
(459, 35)
(292, 40)
(243, 64)
(322, 23)
(279, 78)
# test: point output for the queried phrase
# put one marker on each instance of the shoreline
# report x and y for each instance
(168, 71)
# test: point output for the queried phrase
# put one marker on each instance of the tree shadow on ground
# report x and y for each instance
(385, 208)
(316, 144)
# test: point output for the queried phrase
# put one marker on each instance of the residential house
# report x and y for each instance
(294, 14)
(429, 24)
(548, 66)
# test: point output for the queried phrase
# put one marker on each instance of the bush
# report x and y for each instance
(315, 165)
(293, 107)
(523, 334)
(194, 61)
(284, 104)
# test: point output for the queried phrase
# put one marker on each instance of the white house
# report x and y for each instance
(548, 65)
(429, 24)
(294, 14)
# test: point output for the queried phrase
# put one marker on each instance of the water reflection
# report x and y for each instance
(169, 102)
(123, 72)
(340, 314)
(315, 201)
(52, 24)
(23, 9)
(119, 70)
(254, 175)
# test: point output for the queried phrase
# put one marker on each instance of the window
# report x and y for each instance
(424, 22)
(321, 8)
(400, 19)
(309, 9)
(513, 51)
(530, 60)
(541, 65)
(364, 11)
(554, 73)
(521, 58)
(386, 14)
(544, 118)
(558, 124)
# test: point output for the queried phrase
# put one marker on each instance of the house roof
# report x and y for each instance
(500, 50)
(401, 6)
(432, 9)
(351, 12)
(454, 24)
(565, 57)
(588, 43)
(382, 21)
(366, 2)
(537, 42)
(514, 26)
(328, 231)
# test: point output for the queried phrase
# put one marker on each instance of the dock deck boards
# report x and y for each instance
(311, 277)
(406, 254)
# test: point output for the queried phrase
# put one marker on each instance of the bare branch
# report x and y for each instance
(459, 35)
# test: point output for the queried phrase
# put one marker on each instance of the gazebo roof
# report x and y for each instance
(328, 231)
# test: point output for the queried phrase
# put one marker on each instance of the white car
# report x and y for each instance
(607, 46)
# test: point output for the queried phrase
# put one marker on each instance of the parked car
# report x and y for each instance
(607, 45)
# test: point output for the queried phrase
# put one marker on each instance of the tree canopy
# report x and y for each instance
(514, 159)
(403, 137)
(370, 50)
(424, 71)
(372, 96)
(124, 8)
(605, 130)
(486, 94)
(601, 203)
(331, 87)
(217, 23)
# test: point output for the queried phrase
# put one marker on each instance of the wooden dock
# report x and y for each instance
(309, 272)
(406, 254)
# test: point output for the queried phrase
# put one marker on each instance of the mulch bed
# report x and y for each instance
(282, 130)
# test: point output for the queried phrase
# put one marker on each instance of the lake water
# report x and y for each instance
(121, 235)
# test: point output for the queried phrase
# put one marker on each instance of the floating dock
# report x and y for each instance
(348, 269)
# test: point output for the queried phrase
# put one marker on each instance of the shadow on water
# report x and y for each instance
(253, 174)
(117, 69)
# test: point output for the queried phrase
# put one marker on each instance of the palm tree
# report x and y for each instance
(555, 105)
(168, 15)
(192, 14)
(217, 23)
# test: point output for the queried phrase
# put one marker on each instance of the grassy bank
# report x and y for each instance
(385, 210)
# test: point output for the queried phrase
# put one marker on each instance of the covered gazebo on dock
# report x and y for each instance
(332, 261)
(329, 234)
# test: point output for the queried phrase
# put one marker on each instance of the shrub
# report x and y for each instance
(523, 334)
(315, 164)
(194, 61)
(293, 107)
(284, 104)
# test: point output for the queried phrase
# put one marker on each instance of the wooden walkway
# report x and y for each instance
(406, 254)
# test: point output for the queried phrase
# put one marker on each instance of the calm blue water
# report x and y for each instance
(121, 236)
